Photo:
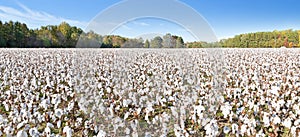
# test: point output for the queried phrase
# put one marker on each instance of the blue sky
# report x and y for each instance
(226, 17)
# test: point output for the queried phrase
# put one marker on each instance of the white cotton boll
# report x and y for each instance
(168, 92)
(226, 129)
(260, 134)
(234, 128)
(126, 115)
(21, 125)
(58, 124)
(70, 106)
(147, 118)
(101, 133)
(239, 110)
(8, 131)
(101, 108)
(47, 130)
(6, 106)
(1, 119)
(172, 99)
(127, 131)
(199, 109)
(174, 112)
(79, 121)
(22, 133)
(50, 125)
(44, 104)
(297, 122)
(293, 131)
(243, 129)
(139, 111)
(226, 108)
(111, 110)
(163, 100)
(68, 131)
(287, 123)
(134, 134)
(208, 130)
(58, 112)
(108, 89)
(274, 90)
(99, 85)
(177, 130)
(33, 132)
(266, 120)
(277, 120)
(126, 102)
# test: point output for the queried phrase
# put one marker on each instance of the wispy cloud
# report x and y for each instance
(34, 19)
(126, 27)
(140, 23)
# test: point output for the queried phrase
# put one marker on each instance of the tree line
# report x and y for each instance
(18, 35)
(276, 39)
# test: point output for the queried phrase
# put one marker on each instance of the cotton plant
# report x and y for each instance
(172, 91)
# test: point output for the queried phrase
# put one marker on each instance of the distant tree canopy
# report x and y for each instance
(18, 35)
(287, 38)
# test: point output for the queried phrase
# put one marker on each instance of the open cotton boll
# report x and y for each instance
(59, 113)
(1, 119)
(226, 108)
(68, 131)
(33, 132)
(22, 133)
(226, 129)
(276, 120)
(297, 122)
(58, 124)
(266, 120)
(287, 123)
(47, 130)
(101, 133)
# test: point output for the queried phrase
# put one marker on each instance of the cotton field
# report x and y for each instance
(156, 92)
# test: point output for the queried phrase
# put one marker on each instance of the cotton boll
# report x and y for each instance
(58, 124)
(266, 120)
(33, 132)
(226, 129)
(277, 120)
(1, 119)
(22, 133)
(101, 133)
(287, 123)
(58, 113)
(126, 115)
(47, 130)
(21, 124)
(226, 109)
(68, 131)
(297, 122)
(243, 129)
(293, 131)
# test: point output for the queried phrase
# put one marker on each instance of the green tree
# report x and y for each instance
(179, 42)
(168, 41)
(147, 44)
(156, 42)
(2, 36)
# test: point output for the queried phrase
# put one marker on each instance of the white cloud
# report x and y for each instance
(141, 23)
(125, 27)
(34, 19)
